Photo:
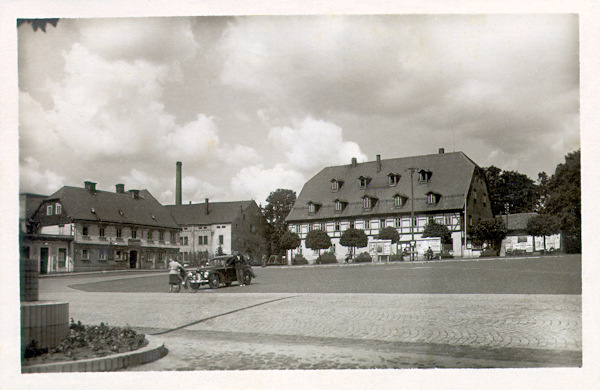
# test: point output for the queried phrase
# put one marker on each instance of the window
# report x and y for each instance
(393, 179)
(173, 238)
(85, 254)
(161, 236)
(366, 202)
(58, 208)
(84, 230)
(117, 255)
(185, 240)
(351, 224)
(119, 232)
(133, 233)
(149, 236)
(337, 226)
(25, 252)
(424, 175)
(102, 254)
(311, 208)
(364, 181)
(398, 222)
(381, 223)
(49, 210)
(367, 224)
(322, 226)
(221, 240)
(335, 185)
(448, 219)
(101, 232)
(205, 240)
(432, 198)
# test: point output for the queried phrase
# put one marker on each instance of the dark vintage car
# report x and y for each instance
(217, 271)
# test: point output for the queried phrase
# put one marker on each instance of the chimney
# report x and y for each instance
(441, 151)
(135, 194)
(353, 161)
(378, 162)
(206, 202)
(178, 185)
(120, 188)
(90, 186)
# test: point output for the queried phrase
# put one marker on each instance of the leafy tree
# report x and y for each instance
(279, 205)
(564, 200)
(38, 23)
(317, 240)
(542, 225)
(354, 238)
(510, 188)
(389, 233)
(435, 229)
(289, 241)
(492, 231)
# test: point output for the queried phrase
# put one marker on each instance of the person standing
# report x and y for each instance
(175, 268)
(239, 269)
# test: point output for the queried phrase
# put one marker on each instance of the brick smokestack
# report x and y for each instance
(379, 163)
(206, 202)
(178, 185)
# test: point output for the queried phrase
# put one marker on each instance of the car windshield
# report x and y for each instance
(218, 262)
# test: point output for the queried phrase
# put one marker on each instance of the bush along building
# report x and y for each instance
(404, 193)
(84, 229)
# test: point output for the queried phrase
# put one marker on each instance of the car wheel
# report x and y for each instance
(192, 286)
(247, 278)
(213, 281)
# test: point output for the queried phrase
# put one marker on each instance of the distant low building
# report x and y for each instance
(210, 228)
(404, 193)
(517, 240)
(84, 229)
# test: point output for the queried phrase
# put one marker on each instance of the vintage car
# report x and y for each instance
(217, 271)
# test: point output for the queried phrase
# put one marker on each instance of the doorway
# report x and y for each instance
(43, 261)
(133, 259)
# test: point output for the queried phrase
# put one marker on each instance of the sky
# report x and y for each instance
(250, 104)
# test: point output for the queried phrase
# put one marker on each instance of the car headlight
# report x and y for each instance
(206, 274)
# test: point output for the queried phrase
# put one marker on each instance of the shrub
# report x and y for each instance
(445, 255)
(488, 253)
(363, 258)
(299, 260)
(328, 258)
(397, 257)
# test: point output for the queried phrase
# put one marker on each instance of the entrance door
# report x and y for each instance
(43, 261)
(133, 259)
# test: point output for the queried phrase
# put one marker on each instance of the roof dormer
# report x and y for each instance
(400, 200)
(369, 202)
(363, 182)
(393, 179)
(424, 175)
(340, 205)
(313, 207)
(336, 184)
(433, 197)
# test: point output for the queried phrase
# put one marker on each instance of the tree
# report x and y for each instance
(354, 238)
(435, 229)
(492, 231)
(564, 200)
(317, 240)
(512, 189)
(542, 225)
(38, 23)
(290, 241)
(389, 233)
(279, 205)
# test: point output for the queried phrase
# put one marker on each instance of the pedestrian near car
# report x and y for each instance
(239, 269)
(175, 268)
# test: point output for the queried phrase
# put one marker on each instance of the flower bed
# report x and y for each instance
(84, 342)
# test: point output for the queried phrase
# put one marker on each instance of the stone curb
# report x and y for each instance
(151, 352)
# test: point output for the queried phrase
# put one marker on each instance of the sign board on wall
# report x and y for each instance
(379, 248)
(435, 243)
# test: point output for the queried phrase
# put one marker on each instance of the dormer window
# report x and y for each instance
(340, 205)
(400, 200)
(433, 198)
(368, 202)
(49, 209)
(393, 179)
(364, 181)
(424, 175)
(313, 207)
(336, 185)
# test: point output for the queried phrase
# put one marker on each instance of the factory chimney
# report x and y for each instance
(178, 185)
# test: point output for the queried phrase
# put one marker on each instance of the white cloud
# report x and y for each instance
(314, 143)
(257, 182)
(45, 181)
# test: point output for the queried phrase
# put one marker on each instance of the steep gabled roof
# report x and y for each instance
(218, 212)
(451, 175)
(111, 207)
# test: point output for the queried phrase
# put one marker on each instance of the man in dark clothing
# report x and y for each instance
(239, 269)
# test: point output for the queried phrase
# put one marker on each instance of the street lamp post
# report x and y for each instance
(412, 214)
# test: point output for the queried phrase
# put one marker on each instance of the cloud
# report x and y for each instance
(257, 182)
(32, 175)
(314, 143)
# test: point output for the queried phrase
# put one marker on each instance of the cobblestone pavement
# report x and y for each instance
(236, 331)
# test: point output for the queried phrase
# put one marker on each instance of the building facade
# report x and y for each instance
(403, 193)
(83, 229)
(518, 242)
(210, 228)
